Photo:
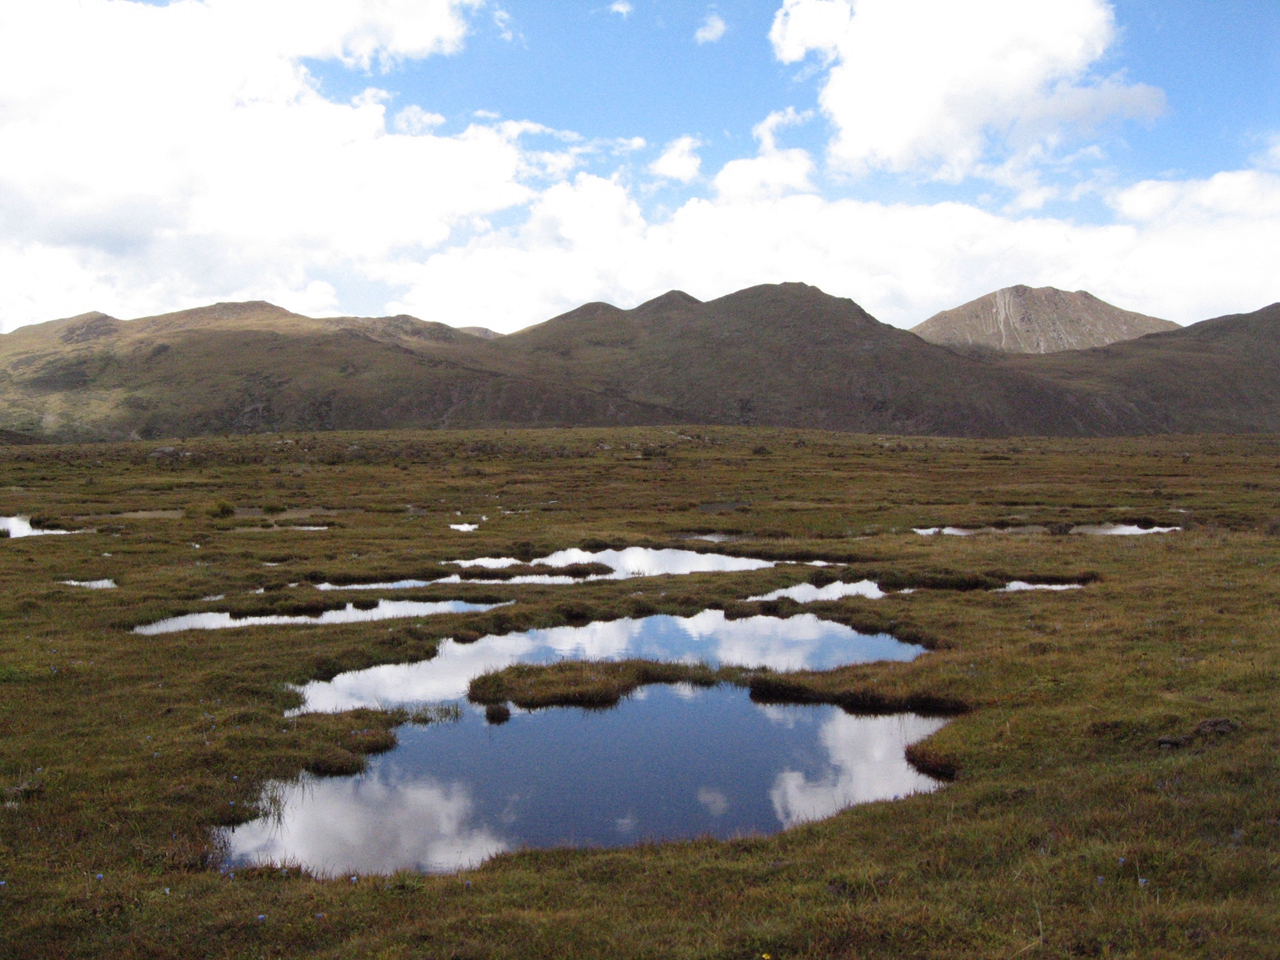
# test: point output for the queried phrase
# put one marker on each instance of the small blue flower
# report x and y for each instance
(1142, 881)
(1122, 861)
(1100, 879)
(99, 876)
(261, 917)
(319, 916)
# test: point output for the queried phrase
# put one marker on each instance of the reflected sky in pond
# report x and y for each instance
(385, 610)
(1121, 530)
(801, 642)
(808, 593)
(628, 563)
(21, 527)
(634, 562)
(669, 762)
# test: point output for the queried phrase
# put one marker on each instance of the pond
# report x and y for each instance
(803, 642)
(21, 527)
(1120, 530)
(669, 762)
(808, 593)
(1089, 529)
(385, 610)
(627, 563)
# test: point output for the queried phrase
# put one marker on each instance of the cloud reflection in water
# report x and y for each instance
(800, 642)
(705, 762)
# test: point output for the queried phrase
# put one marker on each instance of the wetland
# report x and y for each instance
(813, 733)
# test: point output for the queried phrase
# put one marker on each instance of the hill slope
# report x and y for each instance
(776, 355)
(1037, 320)
(1216, 376)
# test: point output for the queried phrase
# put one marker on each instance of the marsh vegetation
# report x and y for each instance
(1112, 785)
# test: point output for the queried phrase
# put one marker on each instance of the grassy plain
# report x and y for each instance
(1070, 828)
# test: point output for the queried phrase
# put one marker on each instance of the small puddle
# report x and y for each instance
(804, 642)
(669, 762)
(974, 531)
(808, 593)
(21, 527)
(1120, 530)
(634, 562)
(385, 610)
(627, 563)
(465, 527)
(91, 584)
(389, 585)
(1017, 586)
(1092, 529)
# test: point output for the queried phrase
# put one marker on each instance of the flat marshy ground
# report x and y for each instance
(1094, 810)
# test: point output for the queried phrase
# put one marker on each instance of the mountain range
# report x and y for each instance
(776, 355)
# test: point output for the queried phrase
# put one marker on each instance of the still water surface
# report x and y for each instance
(669, 762)
(624, 564)
(385, 610)
(803, 642)
(21, 527)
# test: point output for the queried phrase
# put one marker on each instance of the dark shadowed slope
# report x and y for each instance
(1220, 375)
(778, 355)
(789, 354)
(1037, 320)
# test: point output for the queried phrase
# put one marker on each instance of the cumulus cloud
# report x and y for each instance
(944, 89)
(1181, 250)
(679, 161)
(620, 7)
(772, 172)
(160, 157)
(711, 30)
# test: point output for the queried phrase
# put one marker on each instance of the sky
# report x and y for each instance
(498, 162)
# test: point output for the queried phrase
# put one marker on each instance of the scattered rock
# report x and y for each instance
(24, 790)
(1208, 729)
(1217, 727)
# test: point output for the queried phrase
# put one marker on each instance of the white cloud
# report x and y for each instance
(772, 172)
(945, 89)
(620, 7)
(160, 156)
(712, 29)
(502, 20)
(415, 121)
(1185, 251)
(154, 158)
(680, 161)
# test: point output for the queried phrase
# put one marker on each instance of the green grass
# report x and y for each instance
(1063, 799)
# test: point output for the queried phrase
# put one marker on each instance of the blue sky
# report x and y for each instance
(577, 66)
(494, 163)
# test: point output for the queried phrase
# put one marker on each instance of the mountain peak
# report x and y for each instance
(1023, 319)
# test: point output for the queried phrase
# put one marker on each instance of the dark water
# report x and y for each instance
(669, 762)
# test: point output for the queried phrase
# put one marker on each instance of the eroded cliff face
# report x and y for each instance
(1037, 320)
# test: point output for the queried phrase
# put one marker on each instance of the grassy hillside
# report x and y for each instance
(775, 355)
